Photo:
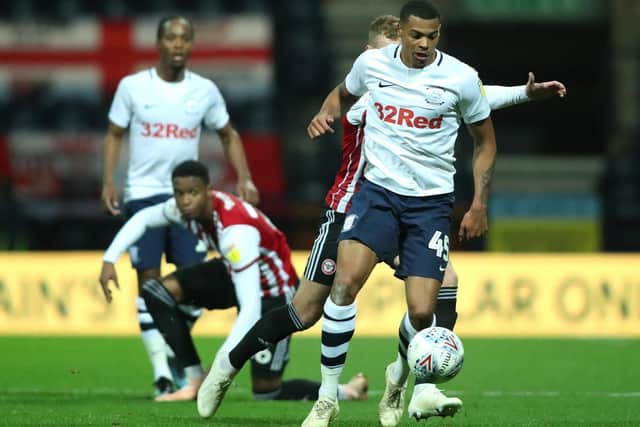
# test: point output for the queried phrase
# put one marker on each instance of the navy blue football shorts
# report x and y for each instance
(178, 243)
(416, 228)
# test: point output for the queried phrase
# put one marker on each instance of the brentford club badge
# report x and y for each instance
(328, 267)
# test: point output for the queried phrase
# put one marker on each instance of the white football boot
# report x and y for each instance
(428, 401)
(391, 405)
(325, 410)
(213, 388)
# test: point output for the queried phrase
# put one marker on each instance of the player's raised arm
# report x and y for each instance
(338, 100)
(507, 96)
(474, 222)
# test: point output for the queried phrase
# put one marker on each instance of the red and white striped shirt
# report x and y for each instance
(352, 162)
(277, 274)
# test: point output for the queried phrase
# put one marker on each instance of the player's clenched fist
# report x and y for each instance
(320, 124)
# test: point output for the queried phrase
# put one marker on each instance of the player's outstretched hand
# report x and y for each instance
(543, 90)
(107, 274)
(110, 199)
(248, 192)
(320, 124)
(474, 224)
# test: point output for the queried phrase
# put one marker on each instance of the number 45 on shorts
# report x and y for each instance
(440, 243)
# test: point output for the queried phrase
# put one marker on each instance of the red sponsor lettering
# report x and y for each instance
(172, 130)
(157, 130)
(406, 117)
(167, 130)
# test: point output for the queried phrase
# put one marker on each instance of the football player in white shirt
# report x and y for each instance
(418, 97)
(306, 307)
(164, 108)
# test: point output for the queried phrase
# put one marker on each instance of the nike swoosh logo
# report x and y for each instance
(380, 84)
(442, 268)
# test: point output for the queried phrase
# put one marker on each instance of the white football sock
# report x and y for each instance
(153, 342)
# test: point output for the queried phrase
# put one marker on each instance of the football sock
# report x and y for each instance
(153, 342)
(194, 372)
(271, 328)
(420, 382)
(446, 307)
(400, 369)
(189, 315)
(165, 312)
(338, 326)
(296, 389)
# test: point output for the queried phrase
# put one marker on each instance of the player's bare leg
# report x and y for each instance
(355, 263)
(304, 311)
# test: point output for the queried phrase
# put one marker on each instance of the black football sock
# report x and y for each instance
(297, 389)
(445, 311)
(271, 328)
(164, 310)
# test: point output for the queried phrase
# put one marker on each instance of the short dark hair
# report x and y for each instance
(191, 168)
(384, 25)
(420, 9)
(163, 22)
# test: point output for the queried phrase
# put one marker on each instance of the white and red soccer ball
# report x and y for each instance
(435, 354)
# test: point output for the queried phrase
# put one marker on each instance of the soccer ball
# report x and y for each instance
(435, 355)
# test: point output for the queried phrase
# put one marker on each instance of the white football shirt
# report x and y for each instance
(413, 117)
(164, 120)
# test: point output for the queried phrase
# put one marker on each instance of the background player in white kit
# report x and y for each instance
(164, 108)
(306, 307)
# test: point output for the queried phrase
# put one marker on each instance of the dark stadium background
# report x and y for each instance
(570, 159)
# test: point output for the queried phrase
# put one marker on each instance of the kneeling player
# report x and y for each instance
(255, 274)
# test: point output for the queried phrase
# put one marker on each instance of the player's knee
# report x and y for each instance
(420, 316)
(343, 294)
(346, 287)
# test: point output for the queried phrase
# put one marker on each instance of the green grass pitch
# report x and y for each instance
(106, 381)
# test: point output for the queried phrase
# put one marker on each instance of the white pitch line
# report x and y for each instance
(107, 391)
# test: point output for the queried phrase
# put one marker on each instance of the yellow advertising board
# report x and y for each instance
(499, 295)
